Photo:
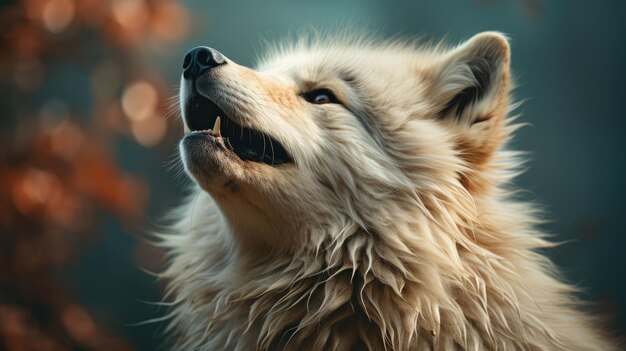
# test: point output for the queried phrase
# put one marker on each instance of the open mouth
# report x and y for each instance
(204, 116)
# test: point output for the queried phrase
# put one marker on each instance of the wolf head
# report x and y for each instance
(324, 134)
(350, 196)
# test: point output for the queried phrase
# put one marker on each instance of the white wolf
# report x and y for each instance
(354, 195)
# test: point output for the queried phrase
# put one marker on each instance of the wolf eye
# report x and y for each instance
(320, 96)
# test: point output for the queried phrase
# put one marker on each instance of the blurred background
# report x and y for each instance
(86, 143)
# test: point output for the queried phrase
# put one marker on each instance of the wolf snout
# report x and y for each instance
(199, 60)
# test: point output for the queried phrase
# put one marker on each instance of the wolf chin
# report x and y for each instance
(355, 195)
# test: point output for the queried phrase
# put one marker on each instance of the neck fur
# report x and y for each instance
(448, 270)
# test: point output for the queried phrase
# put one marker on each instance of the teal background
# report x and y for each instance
(568, 59)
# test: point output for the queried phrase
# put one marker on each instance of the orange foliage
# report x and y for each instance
(57, 175)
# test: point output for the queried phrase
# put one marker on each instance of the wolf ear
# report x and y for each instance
(472, 82)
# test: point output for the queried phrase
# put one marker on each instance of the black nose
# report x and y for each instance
(200, 59)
